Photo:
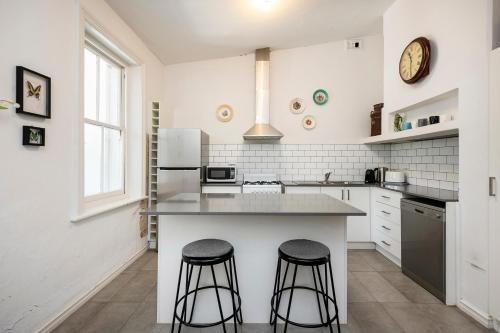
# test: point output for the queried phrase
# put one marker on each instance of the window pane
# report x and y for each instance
(93, 159)
(90, 86)
(113, 160)
(110, 92)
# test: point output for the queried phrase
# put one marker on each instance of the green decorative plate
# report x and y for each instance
(320, 97)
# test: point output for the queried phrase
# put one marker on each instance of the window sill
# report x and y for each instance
(106, 208)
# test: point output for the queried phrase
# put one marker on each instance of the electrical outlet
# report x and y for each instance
(353, 44)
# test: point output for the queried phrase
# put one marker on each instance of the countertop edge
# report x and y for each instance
(253, 214)
(223, 184)
(415, 194)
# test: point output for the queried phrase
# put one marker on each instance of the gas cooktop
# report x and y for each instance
(262, 182)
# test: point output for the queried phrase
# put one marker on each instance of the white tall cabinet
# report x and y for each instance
(494, 164)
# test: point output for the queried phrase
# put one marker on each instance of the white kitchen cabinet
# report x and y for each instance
(494, 203)
(358, 227)
(336, 192)
(302, 189)
(221, 189)
(386, 222)
(387, 197)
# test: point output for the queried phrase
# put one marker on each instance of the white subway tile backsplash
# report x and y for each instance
(430, 163)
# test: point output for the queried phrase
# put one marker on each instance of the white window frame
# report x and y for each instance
(101, 52)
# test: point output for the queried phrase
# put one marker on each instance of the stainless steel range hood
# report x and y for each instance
(262, 130)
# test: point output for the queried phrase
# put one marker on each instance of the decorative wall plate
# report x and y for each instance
(224, 113)
(297, 106)
(309, 122)
(320, 97)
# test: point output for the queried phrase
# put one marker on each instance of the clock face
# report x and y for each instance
(411, 61)
(414, 63)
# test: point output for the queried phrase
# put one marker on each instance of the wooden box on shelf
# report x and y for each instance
(376, 119)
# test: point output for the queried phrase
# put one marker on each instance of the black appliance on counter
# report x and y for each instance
(370, 176)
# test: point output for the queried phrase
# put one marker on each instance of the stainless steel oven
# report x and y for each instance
(220, 174)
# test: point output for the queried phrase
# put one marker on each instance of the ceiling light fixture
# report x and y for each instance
(264, 4)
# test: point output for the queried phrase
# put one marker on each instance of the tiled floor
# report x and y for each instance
(381, 300)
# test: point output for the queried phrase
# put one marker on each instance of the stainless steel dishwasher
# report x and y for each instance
(423, 243)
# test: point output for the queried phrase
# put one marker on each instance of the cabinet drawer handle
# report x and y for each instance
(386, 228)
(476, 266)
(386, 213)
(419, 211)
(386, 197)
(386, 243)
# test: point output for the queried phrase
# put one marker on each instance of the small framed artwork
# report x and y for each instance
(33, 136)
(32, 92)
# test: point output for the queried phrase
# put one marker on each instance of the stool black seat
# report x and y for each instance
(203, 253)
(207, 252)
(304, 252)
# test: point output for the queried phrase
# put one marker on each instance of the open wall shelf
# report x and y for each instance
(153, 179)
(444, 105)
(436, 131)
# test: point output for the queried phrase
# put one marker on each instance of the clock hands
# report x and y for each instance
(411, 62)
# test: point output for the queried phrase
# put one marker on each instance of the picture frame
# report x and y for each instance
(33, 93)
(33, 136)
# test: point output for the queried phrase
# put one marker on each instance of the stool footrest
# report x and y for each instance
(324, 324)
(181, 299)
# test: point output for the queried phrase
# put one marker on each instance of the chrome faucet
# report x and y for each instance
(327, 176)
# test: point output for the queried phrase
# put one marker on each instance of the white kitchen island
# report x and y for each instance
(256, 225)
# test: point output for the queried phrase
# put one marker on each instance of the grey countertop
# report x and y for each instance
(239, 183)
(411, 190)
(253, 204)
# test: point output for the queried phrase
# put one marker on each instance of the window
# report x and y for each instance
(104, 124)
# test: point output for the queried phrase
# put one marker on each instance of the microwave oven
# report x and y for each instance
(220, 174)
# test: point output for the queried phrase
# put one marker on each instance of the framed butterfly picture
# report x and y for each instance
(32, 92)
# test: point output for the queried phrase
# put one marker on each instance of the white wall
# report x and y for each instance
(353, 79)
(460, 36)
(46, 262)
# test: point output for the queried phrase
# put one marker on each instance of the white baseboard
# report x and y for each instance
(481, 317)
(79, 301)
(388, 255)
(360, 245)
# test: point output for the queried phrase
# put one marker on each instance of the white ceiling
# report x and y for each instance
(189, 30)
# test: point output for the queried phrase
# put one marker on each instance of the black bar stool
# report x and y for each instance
(303, 252)
(207, 253)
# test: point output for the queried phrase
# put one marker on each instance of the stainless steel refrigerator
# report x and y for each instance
(180, 164)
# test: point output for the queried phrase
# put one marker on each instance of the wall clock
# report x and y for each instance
(415, 60)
